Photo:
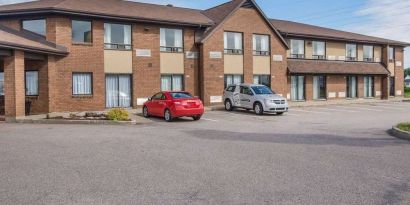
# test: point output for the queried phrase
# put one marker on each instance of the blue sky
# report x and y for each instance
(382, 18)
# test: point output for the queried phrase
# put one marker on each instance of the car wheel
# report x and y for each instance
(258, 109)
(197, 117)
(168, 115)
(145, 112)
(228, 105)
(279, 113)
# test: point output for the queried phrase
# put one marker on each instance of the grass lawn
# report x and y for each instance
(404, 126)
(407, 92)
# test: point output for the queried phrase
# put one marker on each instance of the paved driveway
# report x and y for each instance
(317, 155)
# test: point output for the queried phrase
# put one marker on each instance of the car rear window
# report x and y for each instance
(179, 95)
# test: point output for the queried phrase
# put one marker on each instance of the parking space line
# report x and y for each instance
(385, 107)
(212, 120)
(330, 109)
(359, 108)
(309, 111)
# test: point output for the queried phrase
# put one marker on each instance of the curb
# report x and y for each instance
(78, 122)
(400, 133)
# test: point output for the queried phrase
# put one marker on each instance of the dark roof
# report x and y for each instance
(305, 30)
(298, 66)
(222, 12)
(22, 40)
(113, 9)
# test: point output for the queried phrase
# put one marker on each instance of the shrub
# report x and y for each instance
(118, 114)
(404, 126)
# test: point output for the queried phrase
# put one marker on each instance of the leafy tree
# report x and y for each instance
(406, 72)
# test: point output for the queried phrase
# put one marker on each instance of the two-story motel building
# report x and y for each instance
(75, 55)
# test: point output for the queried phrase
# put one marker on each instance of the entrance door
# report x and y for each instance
(118, 91)
(391, 86)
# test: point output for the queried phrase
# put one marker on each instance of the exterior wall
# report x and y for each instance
(1, 97)
(377, 53)
(247, 21)
(172, 63)
(82, 58)
(233, 64)
(39, 104)
(308, 49)
(399, 72)
(335, 50)
(261, 65)
(116, 61)
(14, 90)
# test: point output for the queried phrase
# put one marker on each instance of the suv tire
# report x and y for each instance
(228, 105)
(258, 108)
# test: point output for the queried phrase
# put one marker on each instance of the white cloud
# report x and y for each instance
(387, 19)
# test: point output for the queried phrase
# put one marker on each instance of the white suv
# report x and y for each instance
(259, 98)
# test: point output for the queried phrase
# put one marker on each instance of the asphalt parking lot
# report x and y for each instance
(338, 154)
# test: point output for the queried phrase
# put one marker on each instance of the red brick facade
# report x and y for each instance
(203, 76)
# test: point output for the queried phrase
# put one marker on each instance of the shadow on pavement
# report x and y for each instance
(309, 139)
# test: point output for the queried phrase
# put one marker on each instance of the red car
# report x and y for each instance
(170, 105)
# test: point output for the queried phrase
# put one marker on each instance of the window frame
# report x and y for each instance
(263, 75)
(348, 58)
(34, 19)
(117, 44)
(233, 75)
(38, 83)
(325, 79)
(233, 51)
(92, 31)
(297, 56)
(172, 81)
(369, 59)
(173, 49)
(261, 53)
(348, 82)
(372, 86)
(319, 57)
(304, 88)
(391, 60)
(92, 83)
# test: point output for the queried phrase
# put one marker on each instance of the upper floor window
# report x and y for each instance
(261, 45)
(368, 53)
(171, 40)
(351, 52)
(297, 48)
(81, 31)
(37, 26)
(233, 43)
(117, 36)
(391, 54)
(319, 50)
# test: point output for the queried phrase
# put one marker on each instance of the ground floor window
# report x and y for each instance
(118, 91)
(368, 86)
(82, 84)
(392, 85)
(172, 82)
(319, 87)
(262, 80)
(31, 83)
(233, 79)
(1, 84)
(297, 88)
(351, 86)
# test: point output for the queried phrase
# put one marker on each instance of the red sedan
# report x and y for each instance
(170, 105)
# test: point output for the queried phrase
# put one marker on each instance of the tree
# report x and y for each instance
(406, 72)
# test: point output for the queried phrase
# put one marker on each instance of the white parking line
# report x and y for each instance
(309, 111)
(330, 109)
(212, 120)
(359, 108)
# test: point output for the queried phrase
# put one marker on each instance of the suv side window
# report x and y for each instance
(231, 89)
(246, 90)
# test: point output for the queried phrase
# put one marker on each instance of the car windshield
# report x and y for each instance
(178, 95)
(262, 90)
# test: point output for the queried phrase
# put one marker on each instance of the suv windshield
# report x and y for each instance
(179, 95)
(262, 90)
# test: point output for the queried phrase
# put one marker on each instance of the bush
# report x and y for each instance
(118, 114)
(407, 92)
(404, 126)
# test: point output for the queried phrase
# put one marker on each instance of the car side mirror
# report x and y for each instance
(149, 99)
(250, 93)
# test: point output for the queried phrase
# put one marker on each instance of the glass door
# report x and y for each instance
(391, 87)
(351, 87)
(118, 91)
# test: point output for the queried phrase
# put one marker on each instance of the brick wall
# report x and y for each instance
(1, 97)
(399, 71)
(249, 22)
(39, 104)
(82, 58)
